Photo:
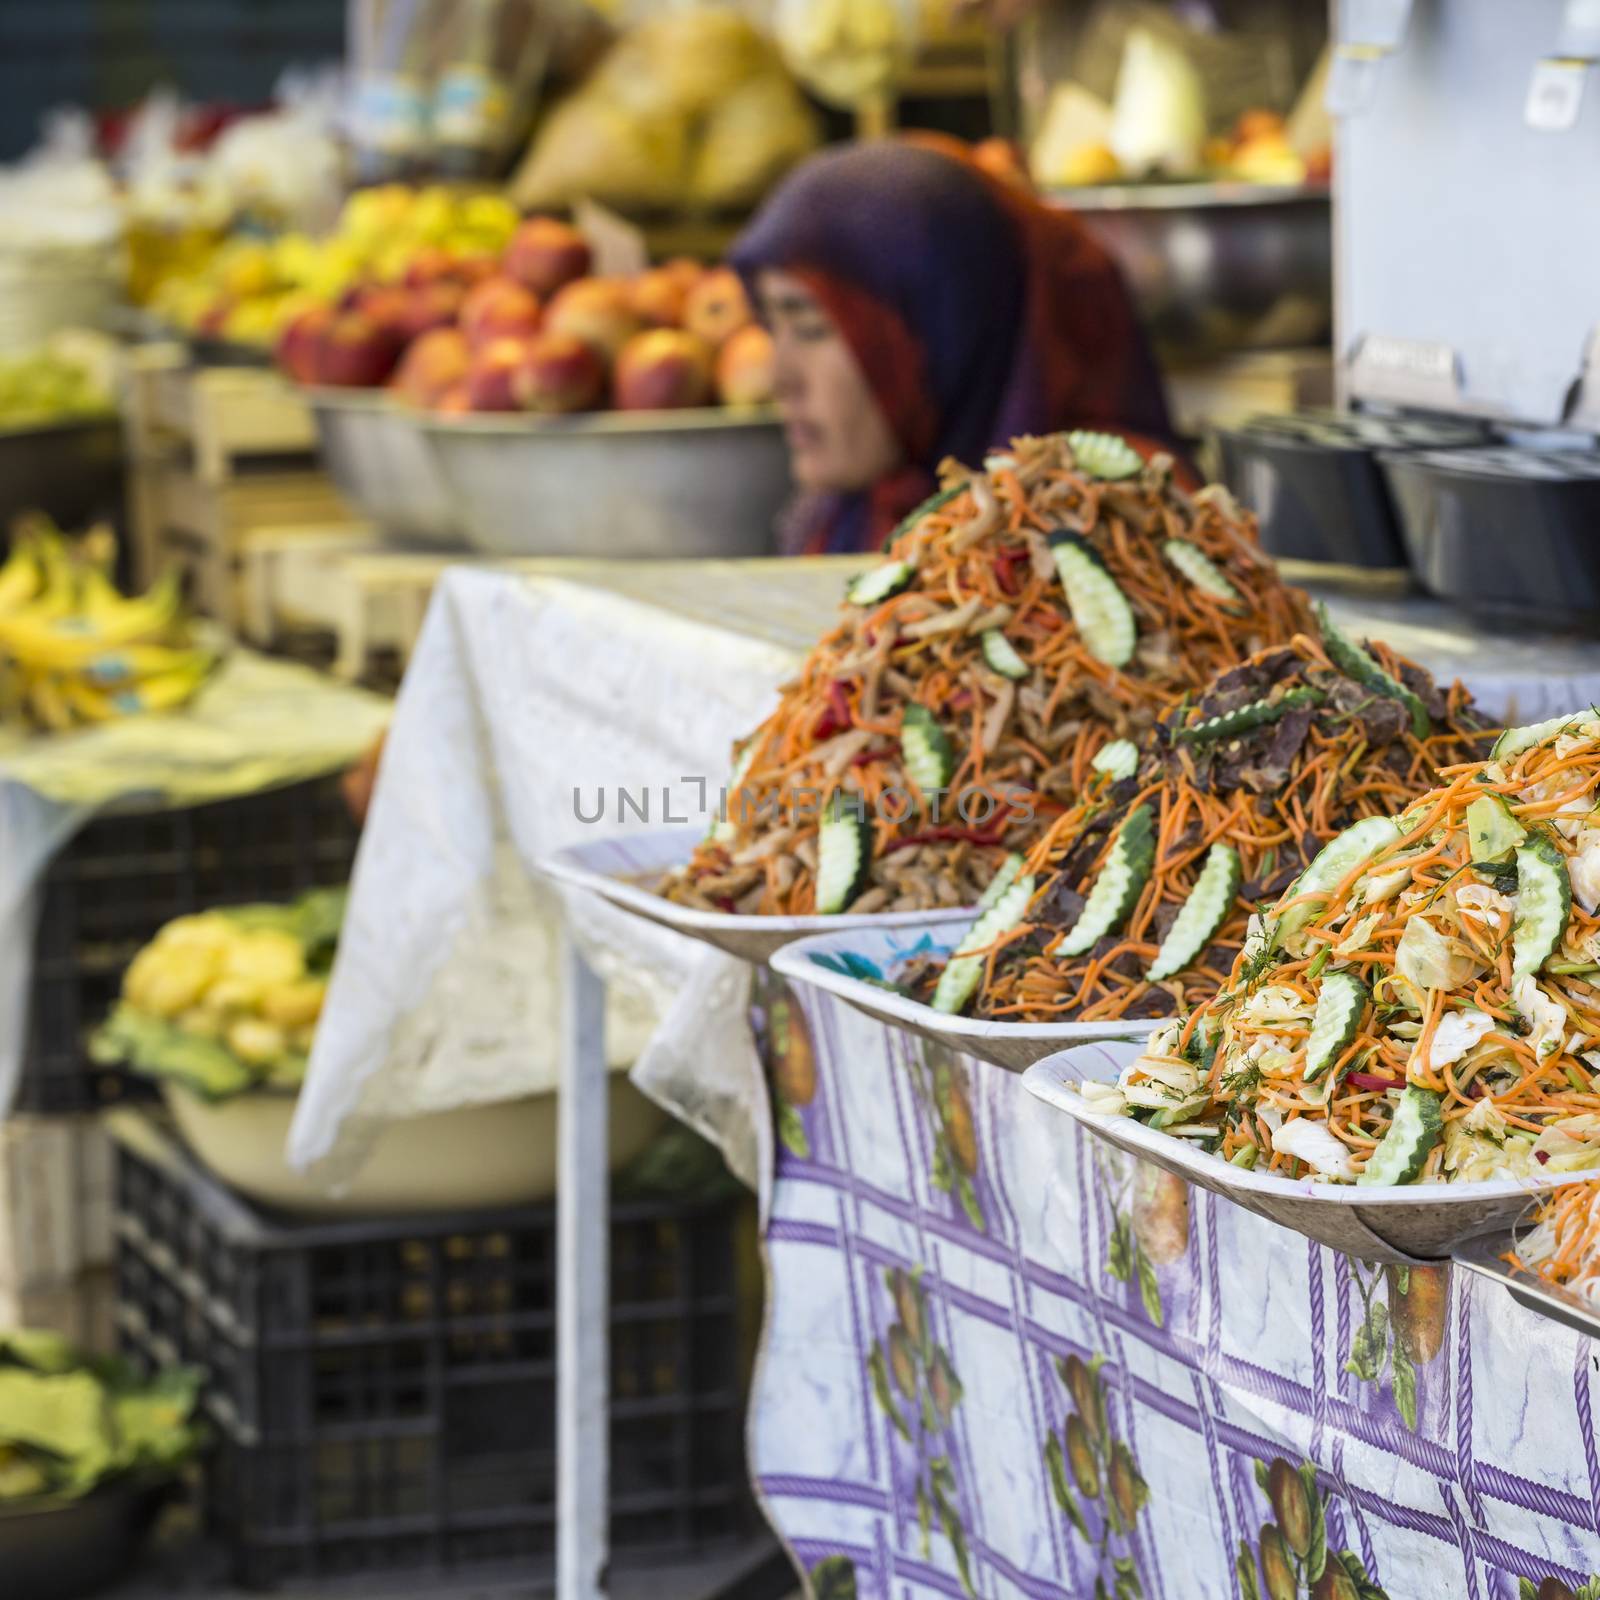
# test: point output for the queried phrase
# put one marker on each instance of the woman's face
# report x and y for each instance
(839, 438)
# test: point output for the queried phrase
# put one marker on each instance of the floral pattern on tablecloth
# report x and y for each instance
(1003, 1360)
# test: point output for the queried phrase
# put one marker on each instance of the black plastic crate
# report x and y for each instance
(383, 1393)
(122, 877)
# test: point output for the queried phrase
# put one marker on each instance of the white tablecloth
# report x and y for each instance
(524, 691)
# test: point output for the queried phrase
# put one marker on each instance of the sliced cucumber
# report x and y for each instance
(1544, 902)
(1355, 663)
(961, 974)
(925, 749)
(1117, 889)
(1515, 740)
(941, 497)
(1415, 1130)
(1492, 832)
(1118, 760)
(880, 583)
(998, 653)
(1333, 863)
(723, 829)
(1342, 999)
(1009, 871)
(844, 861)
(1255, 715)
(1199, 569)
(1201, 914)
(1103, 455)
(1100, 609)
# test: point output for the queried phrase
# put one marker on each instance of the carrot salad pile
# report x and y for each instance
(1064, 596)
(1244, 786)
(1563, 1246)
(1424, 1003)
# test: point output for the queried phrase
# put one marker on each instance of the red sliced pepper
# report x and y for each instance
(1369, 1080)
(881, 753)
(1006, 563)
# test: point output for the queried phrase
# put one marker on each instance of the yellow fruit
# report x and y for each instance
(1090, 164)
(176, 985)
(231, 996)
(265, 958)
(491, 215)
(294, 1005)
(295, 257)
(200, 1022)
(247, 270)
(205, 928)
(255, 1041)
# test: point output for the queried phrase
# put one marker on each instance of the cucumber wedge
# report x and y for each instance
(723, 829)
(1255, 715)
(880, 583)
(1104, 618)
(1342, 999)
(844, 861)
(1544, 902)
(1332, 864)
(1104, 455)
(1492, 832)
(1117, 889)
(941, 497)
(1415, 1130)
(1200, 569)
(925, 749)
(961, 974)
(1515, 740)
(1009, 871)
(1355, 663)
(1117, 760)
(1201, 914)
(998, 653)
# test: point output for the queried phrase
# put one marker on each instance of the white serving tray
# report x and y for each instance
(1012, 1045)
(623, 870)
(1412, 1223)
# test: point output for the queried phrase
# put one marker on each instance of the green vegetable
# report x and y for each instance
(1118, 760)
(1515, 740)
(960, 977)
(1104, 617)
(1354, 662)
(1117, 889)
(1200, 569)
(1255, 715)
(1492, 830)
(1103, 455)
(1202, 913)
(1544, 902)
(1415, 1130)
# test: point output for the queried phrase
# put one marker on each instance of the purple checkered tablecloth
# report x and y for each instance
(1003, 1359)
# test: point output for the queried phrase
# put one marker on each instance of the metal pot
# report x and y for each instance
(1219, 267)
(1506, 534)
(633, 484)
(69, 1548)
(376, 454)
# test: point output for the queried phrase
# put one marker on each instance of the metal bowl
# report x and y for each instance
(1217, 268)
(65, 1549)
(376, 454)
(636, 484)
(1506, 534)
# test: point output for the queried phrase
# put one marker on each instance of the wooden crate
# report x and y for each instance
(55, 1201)
(216, 454)
(83, 1310)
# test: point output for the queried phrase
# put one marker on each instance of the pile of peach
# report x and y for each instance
(535, 331)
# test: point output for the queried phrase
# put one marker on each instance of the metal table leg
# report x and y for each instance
(582, 1289)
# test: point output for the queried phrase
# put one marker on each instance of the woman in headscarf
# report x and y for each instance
(920, 308)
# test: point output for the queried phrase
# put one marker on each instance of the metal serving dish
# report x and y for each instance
(379, 460)
(1314, 481)
(1507, 534)
(639, 484)
(1219, 267)
(65, 1549)
(1484, 1258)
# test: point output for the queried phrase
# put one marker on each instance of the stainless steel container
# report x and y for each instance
(376, 454)
(640, 484)
(1218, 267)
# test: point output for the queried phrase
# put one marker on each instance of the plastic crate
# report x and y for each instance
(383, 1393)
(122, 877)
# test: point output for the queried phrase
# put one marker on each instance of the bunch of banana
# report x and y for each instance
(74, 650)
(227, 1000)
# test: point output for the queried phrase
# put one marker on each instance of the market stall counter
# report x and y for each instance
(989, 1364)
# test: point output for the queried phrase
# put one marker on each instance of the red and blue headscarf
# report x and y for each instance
(976, 314)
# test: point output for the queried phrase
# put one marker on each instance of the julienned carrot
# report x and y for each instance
(1482, 1002)
(1231, 797)
(981, 563)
